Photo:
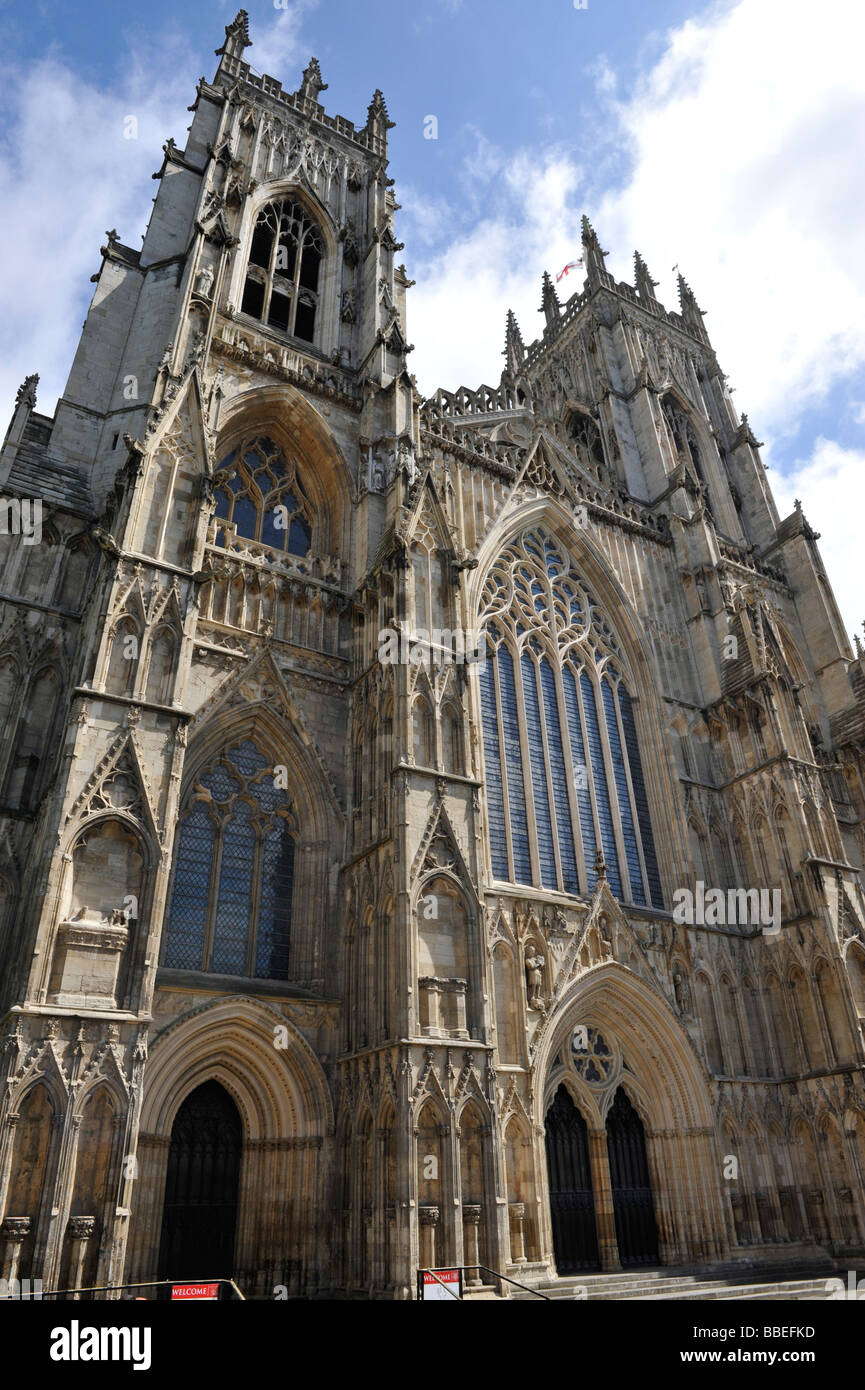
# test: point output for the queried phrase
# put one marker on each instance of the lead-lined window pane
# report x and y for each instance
(626, 818)
(599, 775)
(495, 795)
(558, 772)
(543, 820)
(514, 767)
(187, 921)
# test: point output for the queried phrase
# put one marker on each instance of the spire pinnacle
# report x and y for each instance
(690, 309)
(550, 305)
(312, 83)
(236, 37)
(515, 349)
(645, 285)
(378, 123)
(594, 255)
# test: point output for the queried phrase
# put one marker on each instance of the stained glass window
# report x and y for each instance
(234, 871)
(559, 734)
(261, 498)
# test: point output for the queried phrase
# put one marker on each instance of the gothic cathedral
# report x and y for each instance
(431, 829)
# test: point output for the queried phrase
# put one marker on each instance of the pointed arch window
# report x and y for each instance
(589, 446)
(234, 872)
(260, 497)
(564, 777)
(687, 446)
(284, 269)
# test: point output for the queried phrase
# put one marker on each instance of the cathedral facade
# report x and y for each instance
(431, 830)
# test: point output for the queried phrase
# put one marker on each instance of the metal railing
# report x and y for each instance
(486, 1269)
(74, 1295)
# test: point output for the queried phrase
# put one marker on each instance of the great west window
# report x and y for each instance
(564, 777)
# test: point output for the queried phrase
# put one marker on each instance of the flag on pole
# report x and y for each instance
(571, 265)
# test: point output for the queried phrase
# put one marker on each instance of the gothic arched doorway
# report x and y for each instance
(572, 1200)
(636, 1233)
(200, 1211)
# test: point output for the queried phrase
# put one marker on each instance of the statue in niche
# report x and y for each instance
(680, 989)
(535, 976)
(204, 281)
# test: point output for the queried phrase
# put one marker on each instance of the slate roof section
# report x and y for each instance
(34, 474)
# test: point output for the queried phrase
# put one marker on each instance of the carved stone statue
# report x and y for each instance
(204, 281)
(535, 977)
(681, 991)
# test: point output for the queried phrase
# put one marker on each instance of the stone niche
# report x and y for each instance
(102, 907)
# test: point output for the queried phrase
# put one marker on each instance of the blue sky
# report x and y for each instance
(726, 138)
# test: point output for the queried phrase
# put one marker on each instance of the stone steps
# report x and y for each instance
(762, 1284)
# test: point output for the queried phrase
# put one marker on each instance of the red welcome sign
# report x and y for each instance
(183, 1292)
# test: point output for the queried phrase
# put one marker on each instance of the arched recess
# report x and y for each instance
(386, 1210)
(505, 1003)
(104, 913)
(519, 1187)
(757, 1033)
(423, 737)
(281, 1093)
(669, 1086)
(34, 740)
(73, 586)
(842, 1213)
(29, 1188)
(638, 657)
(282, 414)
(810, 1034)
(452, 739)
(734, 1186)
(787, 1057)
(835, 1024)
(125, 639)
(435, 1201)
(96, 1183)
(785, 1182)
(317, 816)
(474, 1187)
(162, 650)
(810, 1178)
(734, 1046)
(708, 1016)
(445, 955)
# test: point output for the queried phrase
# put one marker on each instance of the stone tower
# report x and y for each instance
(411, 949)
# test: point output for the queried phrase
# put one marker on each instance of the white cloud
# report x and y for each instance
(742, 148)
(67, 174)
(831, 473)
(278, 50)
(525, 224)
(746, 140)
